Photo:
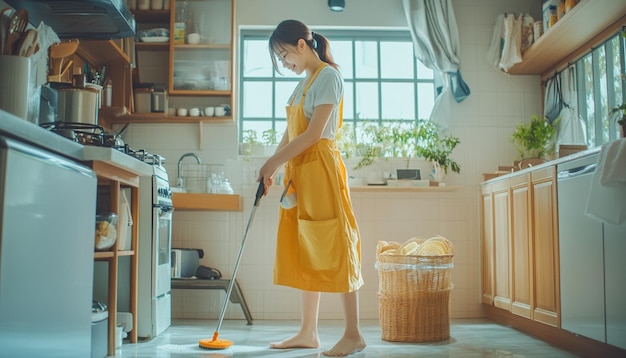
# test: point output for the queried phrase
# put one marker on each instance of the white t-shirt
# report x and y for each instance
(326, 89)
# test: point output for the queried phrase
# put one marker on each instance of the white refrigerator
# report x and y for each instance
(47, 220)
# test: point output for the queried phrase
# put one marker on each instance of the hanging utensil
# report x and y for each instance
(4, 24)
(17, 25)
(67, 67)
(28, 42)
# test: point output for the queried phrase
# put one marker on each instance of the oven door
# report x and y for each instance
(162, 249)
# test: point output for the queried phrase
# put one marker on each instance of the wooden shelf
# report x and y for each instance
(152, 46)
(152, 16)
(163, 118)
(185, 92)
(105, 255)
(99, 255)
(584, 22)
(209, 202)
(101, 52)
(202, 46)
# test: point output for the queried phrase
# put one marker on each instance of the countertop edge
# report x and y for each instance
(549, 163)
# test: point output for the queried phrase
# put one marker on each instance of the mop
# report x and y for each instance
(216, 342)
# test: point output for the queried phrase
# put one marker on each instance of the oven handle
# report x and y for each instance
(165, 209)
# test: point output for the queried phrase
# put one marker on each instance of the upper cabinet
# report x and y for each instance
(186, 49)
(588, 23)
(200, 57)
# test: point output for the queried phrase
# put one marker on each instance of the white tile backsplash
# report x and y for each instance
(484, 122)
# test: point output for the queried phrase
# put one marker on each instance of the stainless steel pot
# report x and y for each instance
(78, 105)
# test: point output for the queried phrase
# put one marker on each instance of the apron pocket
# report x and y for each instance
(320, 249)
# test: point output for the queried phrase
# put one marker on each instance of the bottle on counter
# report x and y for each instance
(107, 93)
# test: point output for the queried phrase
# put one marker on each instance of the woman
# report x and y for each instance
(318, 244)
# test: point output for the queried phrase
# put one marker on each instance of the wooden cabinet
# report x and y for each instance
(495, 244)
(196, 73)
(587, 24)
(520, 265)
(111, 179)
(200, 57)
(521, 247)
(487, 246)
(545, 246)
(502, 248)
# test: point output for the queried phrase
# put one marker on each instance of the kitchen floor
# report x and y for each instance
(469, 338)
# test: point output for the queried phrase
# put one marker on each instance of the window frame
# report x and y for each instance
(352, 81)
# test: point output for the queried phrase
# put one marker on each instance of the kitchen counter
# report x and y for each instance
(15, 127)
(549, 163)
(117, 159)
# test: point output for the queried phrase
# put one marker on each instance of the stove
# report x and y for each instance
(95, 135)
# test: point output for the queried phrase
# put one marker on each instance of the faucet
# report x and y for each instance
(180, 182)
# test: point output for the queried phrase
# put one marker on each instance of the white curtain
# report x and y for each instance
(436, 41)
(571, 128)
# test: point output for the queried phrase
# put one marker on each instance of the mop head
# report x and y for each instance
(215, 343)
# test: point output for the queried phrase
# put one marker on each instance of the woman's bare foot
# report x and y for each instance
(346, 346)
(300, 340)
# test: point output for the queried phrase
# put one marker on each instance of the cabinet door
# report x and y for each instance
(545, 247)
(521, 285)
(487, 244)
(201, 50)
(501, 239)
(615, 280)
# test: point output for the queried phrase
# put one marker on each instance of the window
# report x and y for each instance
(601, 80)
(384, 82)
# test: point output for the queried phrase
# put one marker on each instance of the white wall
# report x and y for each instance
(483, 122)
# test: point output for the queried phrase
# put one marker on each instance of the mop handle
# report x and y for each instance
(259, 193)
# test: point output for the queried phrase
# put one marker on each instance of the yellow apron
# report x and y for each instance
(318, 244)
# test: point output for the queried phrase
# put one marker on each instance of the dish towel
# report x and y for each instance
(607, 197)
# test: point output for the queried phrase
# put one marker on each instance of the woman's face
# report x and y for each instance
(291, 59)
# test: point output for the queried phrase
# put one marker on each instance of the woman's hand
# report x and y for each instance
(266, 173)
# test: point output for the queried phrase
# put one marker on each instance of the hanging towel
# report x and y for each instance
(512, 48)
(607, 197)
(495, 49)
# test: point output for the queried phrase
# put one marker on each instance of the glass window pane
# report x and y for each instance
(258, 99)
(342, 54)
(591, 133)
(256, 59)
(366, 59)
(423, 72)
(396, 60)
(366, 99)
(283, 92)
(425, 100)
(348, 101)
(398, 101)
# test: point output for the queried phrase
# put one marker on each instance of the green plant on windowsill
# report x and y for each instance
(249, 142)
(409, 140)
(535, 138)
(269, 137)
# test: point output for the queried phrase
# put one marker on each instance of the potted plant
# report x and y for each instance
(346, 141)
(374, 144)
(437, 151)
(620, 116)
(534, 140)
(404, 140)
(250, 144)
(270, 141)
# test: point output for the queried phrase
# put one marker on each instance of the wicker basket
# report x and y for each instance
(414, 297)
